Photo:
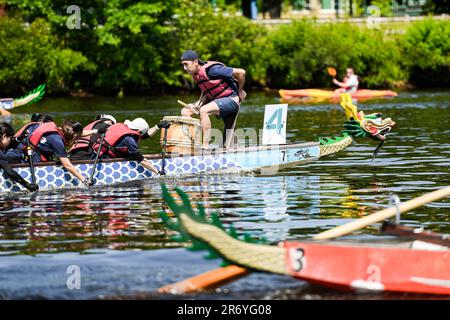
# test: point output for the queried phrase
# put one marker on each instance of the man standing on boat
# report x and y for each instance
(350, 82)
(222, 91)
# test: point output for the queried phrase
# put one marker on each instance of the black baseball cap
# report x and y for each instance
(189, 55)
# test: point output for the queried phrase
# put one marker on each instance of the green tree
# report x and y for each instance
(426, 49)
(32, 54)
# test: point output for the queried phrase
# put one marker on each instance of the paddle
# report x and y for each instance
(229, 131)
(208, 280)
(30, 160)
(163, 163)
(331, 71)
(217, 277)
(91, 178)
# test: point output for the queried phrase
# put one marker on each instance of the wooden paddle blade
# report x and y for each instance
(331, 71)
(208, 280)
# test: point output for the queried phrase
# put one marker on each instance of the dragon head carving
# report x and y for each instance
(360, 125)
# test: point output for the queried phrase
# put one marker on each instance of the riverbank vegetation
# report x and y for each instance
(134, 47)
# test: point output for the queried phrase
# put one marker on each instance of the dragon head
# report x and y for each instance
(360, 125)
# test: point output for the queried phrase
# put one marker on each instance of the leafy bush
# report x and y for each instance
(136, 46)
(299, 54)
(426, 49)
(32, 55)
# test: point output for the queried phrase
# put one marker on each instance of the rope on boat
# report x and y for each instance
(249, 255)
(181, 119)
(328, 149)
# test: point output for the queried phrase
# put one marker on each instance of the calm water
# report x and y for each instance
(116, 238)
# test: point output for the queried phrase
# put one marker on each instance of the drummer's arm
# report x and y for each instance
(195, 106)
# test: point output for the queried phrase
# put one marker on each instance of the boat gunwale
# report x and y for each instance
(394, 243)
(157, 156)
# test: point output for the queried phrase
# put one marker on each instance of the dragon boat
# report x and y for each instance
(8, 104)
(51, 176)
(415, 261)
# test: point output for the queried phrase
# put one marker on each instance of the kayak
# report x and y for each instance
(328, 94)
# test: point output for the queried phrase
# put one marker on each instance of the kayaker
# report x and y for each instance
(222, 91)
(6, 135)
(49, 141)
(82, 149)
(121, 141)
(349, 83)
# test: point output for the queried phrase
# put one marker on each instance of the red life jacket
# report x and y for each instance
(25, 127)
(213, 89)
(112, 136)
(85, 142)
(42, 130)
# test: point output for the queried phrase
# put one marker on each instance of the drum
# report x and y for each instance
(183, 135)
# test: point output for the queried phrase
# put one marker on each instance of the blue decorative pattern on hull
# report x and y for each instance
(56, 177)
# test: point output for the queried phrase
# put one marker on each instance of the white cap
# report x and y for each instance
(109, 117)
(138, 124)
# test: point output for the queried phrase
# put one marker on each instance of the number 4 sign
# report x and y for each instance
(274, 131)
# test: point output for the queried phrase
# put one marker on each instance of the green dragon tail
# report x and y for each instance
(31, 97)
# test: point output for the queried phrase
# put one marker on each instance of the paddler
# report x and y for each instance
(82, 149)
(222, 91)
(15, 154)
(6, 135)
(49, 141)
(349, 83)
(121, 141)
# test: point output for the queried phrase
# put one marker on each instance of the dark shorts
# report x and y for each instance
(227, 106)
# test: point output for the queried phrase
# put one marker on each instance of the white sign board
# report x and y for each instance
(6, 103)
(274, 131)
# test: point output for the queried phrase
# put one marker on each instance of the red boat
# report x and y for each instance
(417, 267)
(420, 265)
(415, 261)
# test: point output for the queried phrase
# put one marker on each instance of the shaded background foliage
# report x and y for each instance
(134, 46)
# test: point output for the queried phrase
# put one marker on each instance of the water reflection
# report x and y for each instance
(293, 204)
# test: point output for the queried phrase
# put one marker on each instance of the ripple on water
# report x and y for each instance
(293, 204)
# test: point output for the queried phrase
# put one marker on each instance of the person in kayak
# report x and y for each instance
(121, 141)
(82, 149)
(6, 135)
(349, 83)
(222, 90)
